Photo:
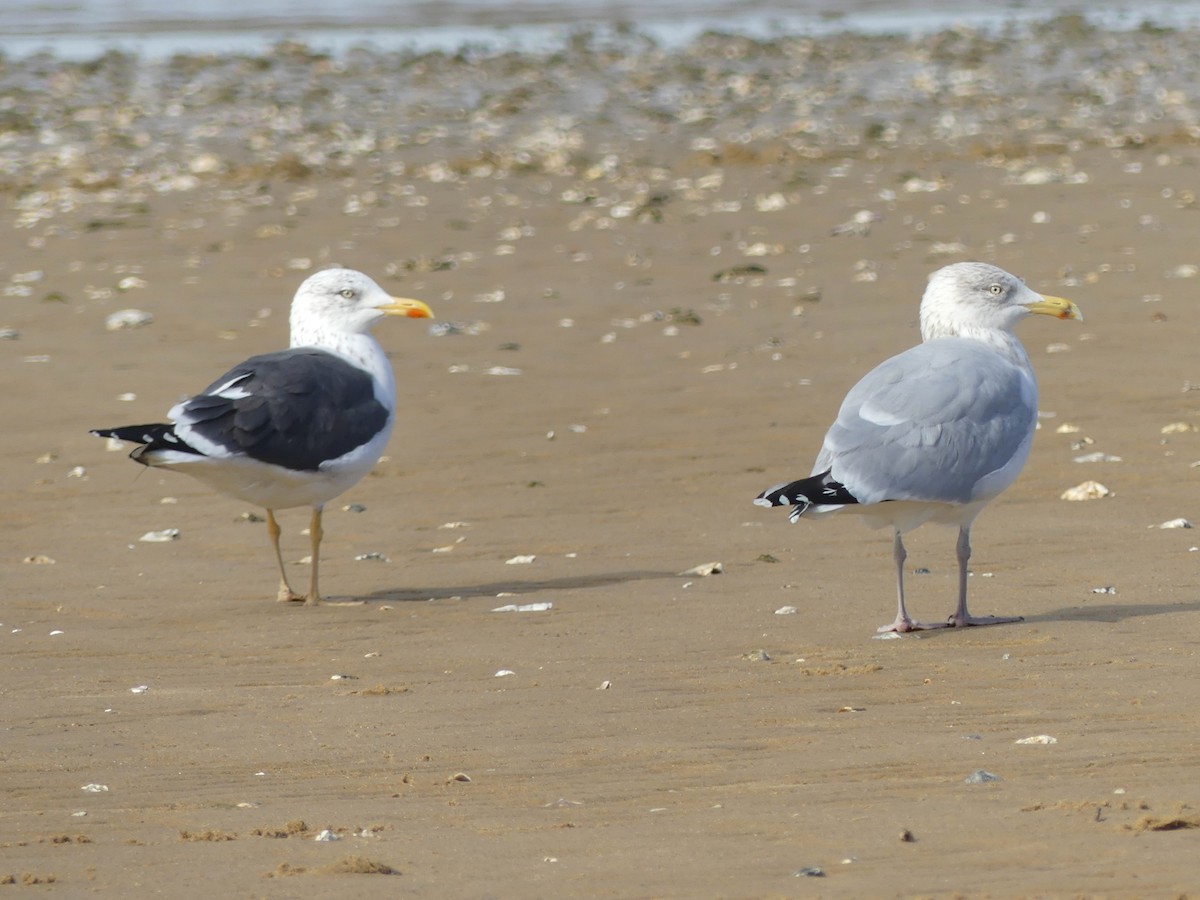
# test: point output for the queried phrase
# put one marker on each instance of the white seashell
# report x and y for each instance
(1067, 428)
(326, 836)
(95, 788)
(711, 568)
(525, 607)
(786, 611)
(1088, 490)
(160, 537)
(1177, 428)
(1038, 739)
(1176, 523)
(520, 560)
(1097, 457)
(127, 318)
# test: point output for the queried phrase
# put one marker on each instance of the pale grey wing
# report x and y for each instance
(933, 424)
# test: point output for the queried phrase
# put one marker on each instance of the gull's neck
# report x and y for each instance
(999, 339)
(359, 348)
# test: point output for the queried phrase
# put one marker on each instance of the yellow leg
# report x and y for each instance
(315, 534)
(286, 594)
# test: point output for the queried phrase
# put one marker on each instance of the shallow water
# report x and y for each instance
(88, 28)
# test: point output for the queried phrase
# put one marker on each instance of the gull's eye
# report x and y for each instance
(996, 289)
(347, 293)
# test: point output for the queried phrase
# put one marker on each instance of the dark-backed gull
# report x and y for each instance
(296, 427)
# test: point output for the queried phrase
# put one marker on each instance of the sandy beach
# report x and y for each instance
(655, 274)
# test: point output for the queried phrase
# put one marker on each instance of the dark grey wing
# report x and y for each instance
(295, 408)
(947, 421)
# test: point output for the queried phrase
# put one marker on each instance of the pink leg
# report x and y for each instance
(903, 621)
(961, 617)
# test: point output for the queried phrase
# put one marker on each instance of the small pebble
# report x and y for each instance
(809, 872)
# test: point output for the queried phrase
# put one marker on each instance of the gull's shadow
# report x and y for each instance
(1100, 612)
(1112, 612)
(522, 587)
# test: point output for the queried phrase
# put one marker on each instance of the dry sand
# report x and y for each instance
(660, 735)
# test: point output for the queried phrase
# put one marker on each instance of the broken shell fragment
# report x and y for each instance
(160, 537)
(981, 776)
(127, 318)
(1038, 739)
(712, 568)
(1087, 490)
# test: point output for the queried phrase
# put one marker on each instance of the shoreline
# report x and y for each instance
(536, 30)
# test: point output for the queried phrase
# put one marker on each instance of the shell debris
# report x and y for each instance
(1037, 739)
(705, 569)
(525, 607)
(981, 776)
(160, 537)
(127, 318)
(1087, 490)
(1098, 457)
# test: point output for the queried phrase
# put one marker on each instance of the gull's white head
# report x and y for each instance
(970, 299)
(346, 301)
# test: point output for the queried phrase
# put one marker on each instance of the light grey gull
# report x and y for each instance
(297, 427)
(935, 433)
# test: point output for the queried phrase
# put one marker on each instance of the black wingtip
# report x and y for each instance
(801, 495)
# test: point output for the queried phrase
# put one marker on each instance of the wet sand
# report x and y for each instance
(682, 260)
